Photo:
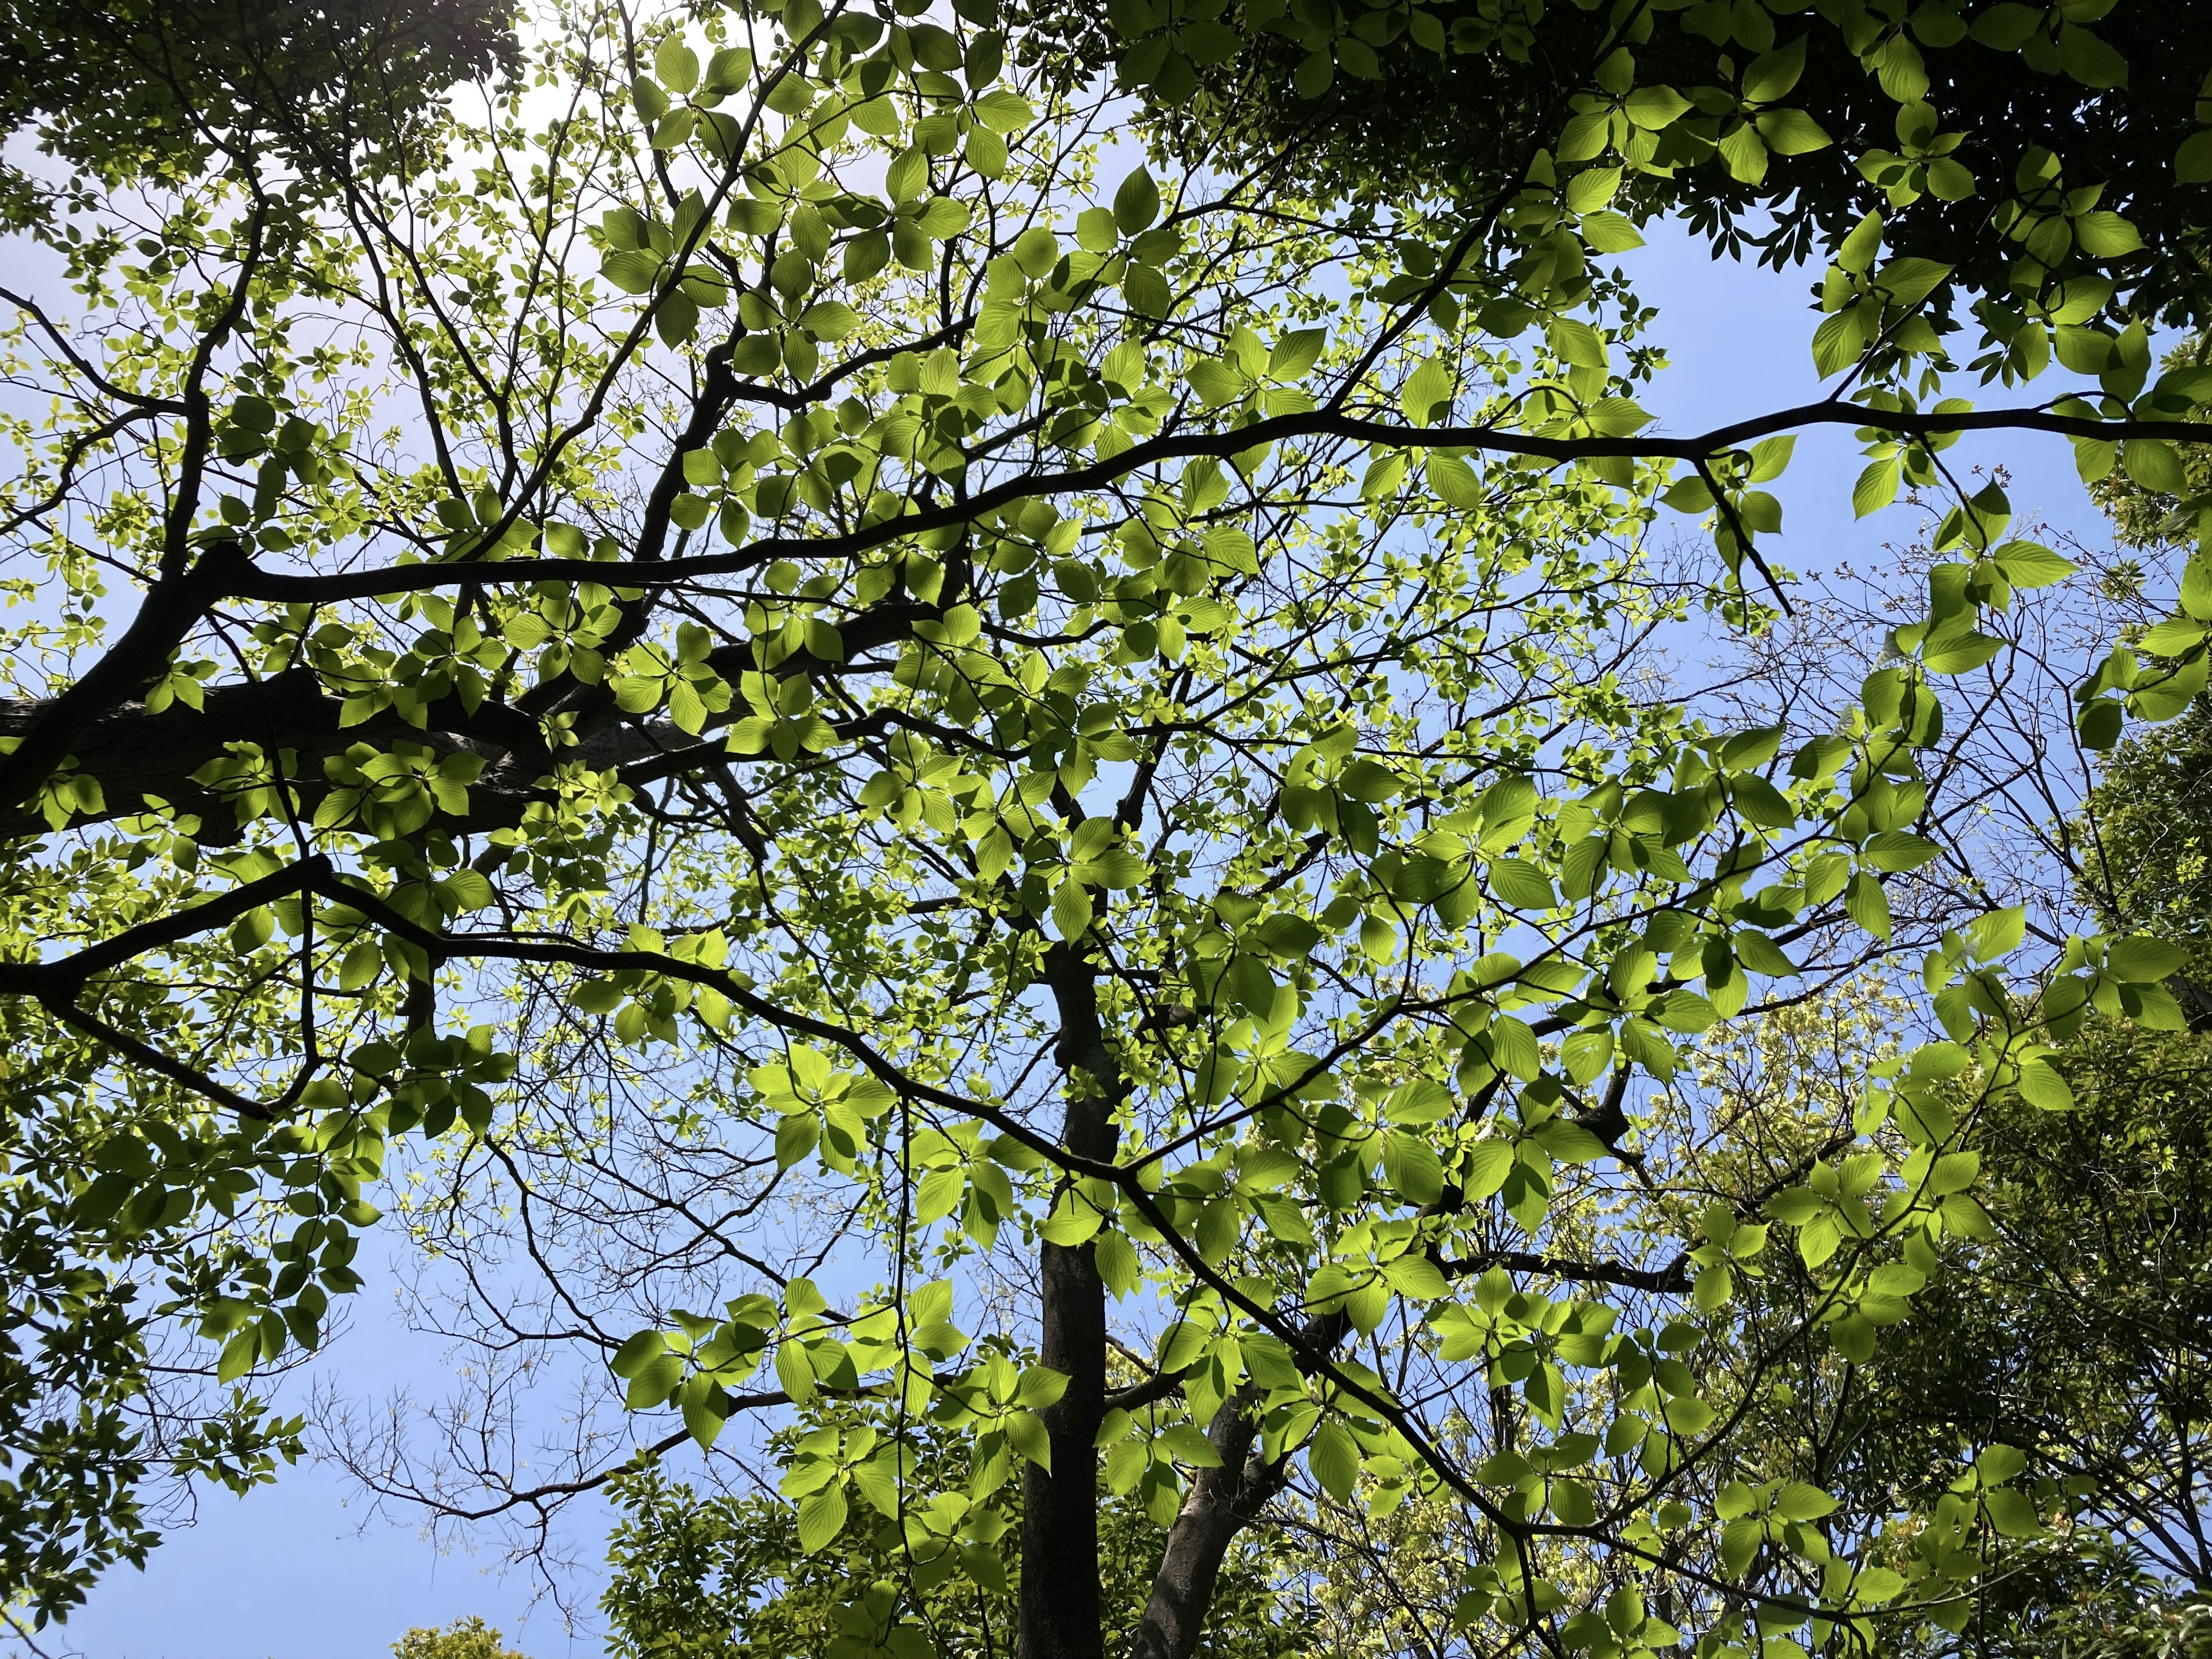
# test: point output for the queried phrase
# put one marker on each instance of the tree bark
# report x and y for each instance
(134, 753)
(1221, 1502)
(1058, 1611)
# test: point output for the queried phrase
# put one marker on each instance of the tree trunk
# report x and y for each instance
(1059, 1614)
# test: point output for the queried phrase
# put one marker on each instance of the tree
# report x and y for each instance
(2072, 1337)
(160, 89)
(2091, 1353)
(2076, 1332)
(1050, 794)
(468, 1637)
(729, 1577)
(1762, 126)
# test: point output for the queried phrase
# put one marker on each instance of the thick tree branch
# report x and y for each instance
(134, 753)
(1673, 1280)
(1221, 1502)
(252, 583)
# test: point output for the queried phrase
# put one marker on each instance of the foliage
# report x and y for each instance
(728, 1577)
(75, 1357)
(2073, 1336)
(468, 1637)
(2085, 1343)
(161, 88)
(2146, 517)
(1062, 795)
(1760, 124)
(2077, 1331)
(2144, 862)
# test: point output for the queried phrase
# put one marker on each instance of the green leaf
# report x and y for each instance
(703, 1420)
(1417, 1277)
(1592, 188)
(676, 65)
(2192, 162)
(1792, 132)
(1907, 282)
(1950, 181)
(1897, 850)
(1877, 489)
(1654, 107)
(653, 1382)
(1025, 1433)
(2154, 464)
(2144, 960)
(795, 1137)
(822, 1518)
(1960, 655)
(1137, 203)
(727, 71)
(239, 1355)
(632, 272)
(1071, 910)
(1411, 1166)
(1798, 1501)
(675, 318)
(2027, 564)
(1875, 1585)
(1483, 1169)
(1996, 934)
(1294, 356)
(2173, 638)
(1004, 112)
(2012, 1514)
(1455, 483)
(1522, 885)
(1607, 232)
(1771, 75)
(1333, 1458)
(1426, 395)
(1570, 1143)
(1037, 250)
(1096, 231)
(637, 1352)
(2089, 58)
(1587, 1053)
(829, 320)
(1686, 1011)
(908, 175)
(2006, 25)
(794, 1371)
(1074, 1220)
(2105, 235)
(2041, 1087)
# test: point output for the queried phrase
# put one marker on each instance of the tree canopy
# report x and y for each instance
(1773, 125)
(1009, 823)
(160, 89)
(464, 1638)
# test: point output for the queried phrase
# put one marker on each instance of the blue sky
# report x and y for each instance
(298, 1571)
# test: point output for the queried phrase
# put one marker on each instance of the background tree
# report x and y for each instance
(1944, 119)
(2081, 1347)
(2146, 517)
(163, 90)
(1067, 799)
(468, 1637)
(728, 1577)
